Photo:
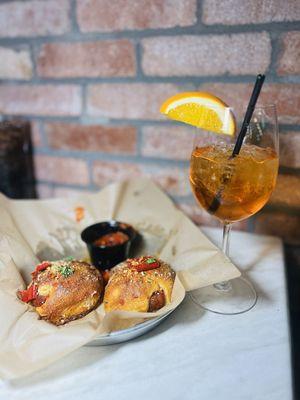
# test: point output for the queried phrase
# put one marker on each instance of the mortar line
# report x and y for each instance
(44, 137)
(178, 80)
(275, 37)
(92, 120)
(197, 29)
(112, 157)
(139, 56)
(73, 17)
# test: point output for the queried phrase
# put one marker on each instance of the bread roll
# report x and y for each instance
(62, 291)
(140, 284)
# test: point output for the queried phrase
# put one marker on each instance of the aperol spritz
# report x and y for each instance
(241, 185)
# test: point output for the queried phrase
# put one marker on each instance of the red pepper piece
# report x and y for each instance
(40, 267)
(28, 294)
(147, 266)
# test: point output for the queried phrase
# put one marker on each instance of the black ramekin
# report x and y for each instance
(106, 257)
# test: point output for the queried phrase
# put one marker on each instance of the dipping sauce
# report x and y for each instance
(111, 239)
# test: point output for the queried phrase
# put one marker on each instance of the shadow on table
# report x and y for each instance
(261, 294)
(264, 254)
(237, 256)
(187, 312)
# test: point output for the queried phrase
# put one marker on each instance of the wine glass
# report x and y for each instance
(232, 189)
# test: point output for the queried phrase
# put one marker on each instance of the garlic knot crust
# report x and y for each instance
(141, 284)
(62, 291)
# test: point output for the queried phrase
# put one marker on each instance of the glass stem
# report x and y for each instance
(225, 286)
(226, 237)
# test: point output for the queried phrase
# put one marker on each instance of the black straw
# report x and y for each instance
(215, 204)
(251, 106)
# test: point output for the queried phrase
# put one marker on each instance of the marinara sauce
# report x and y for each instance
(111, 239)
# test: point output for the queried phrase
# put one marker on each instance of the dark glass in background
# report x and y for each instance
(17, 179)
(292, 265)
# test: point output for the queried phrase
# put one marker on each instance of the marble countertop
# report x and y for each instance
(193, 354)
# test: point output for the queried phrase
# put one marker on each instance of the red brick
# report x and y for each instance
(61, 170)
(36, 135)
(173, 180)
(289, 149)
(117, 15)
(105, 172)
(287, 191)
(128, 100)
(289, 57)
(200, 217)
(206, 55)
(171, 142)
(89, 59)
(40, 100)
(34, 18)
(235, 12)
(279, 224)
(285, 96)
(15, 64)
(106, 139)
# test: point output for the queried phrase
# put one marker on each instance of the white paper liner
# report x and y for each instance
(35, 230)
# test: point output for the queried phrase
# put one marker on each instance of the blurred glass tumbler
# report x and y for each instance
(16, 163)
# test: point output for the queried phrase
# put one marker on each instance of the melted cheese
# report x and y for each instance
(45, 290)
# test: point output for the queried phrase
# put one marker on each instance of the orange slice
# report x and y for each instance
(202, 110)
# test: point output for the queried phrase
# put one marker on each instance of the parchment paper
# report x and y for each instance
(35, 230)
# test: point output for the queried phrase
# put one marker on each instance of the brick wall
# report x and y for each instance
(91, 75)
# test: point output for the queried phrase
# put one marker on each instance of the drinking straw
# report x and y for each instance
(251, 106)
(215, 204)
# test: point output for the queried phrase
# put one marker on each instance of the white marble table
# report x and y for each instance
(191, 355)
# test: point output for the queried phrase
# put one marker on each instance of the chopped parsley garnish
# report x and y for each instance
(150, 260)
(66, 270)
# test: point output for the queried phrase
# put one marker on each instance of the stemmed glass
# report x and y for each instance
(232, 189)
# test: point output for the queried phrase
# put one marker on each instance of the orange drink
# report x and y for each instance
(242, 184)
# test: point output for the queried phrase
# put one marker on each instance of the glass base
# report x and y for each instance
(234, 297)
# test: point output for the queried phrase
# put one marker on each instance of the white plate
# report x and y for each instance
(128, 334)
